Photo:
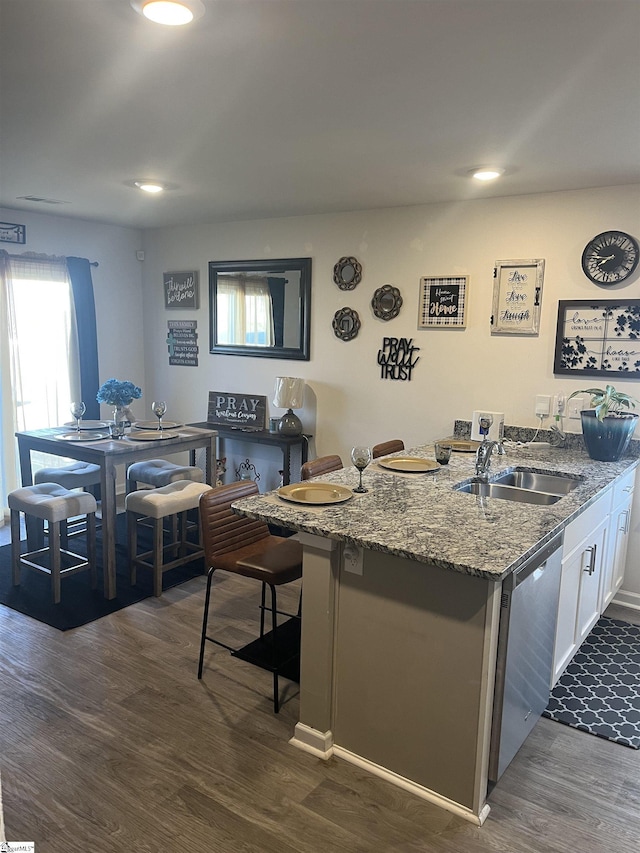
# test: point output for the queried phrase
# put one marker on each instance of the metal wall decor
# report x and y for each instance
(443, 302)
(10, 232)
(346, 324)
(347, 273)
(598, 338)
(386, 302)
(397, 358)
(610, 258)
(517, 297)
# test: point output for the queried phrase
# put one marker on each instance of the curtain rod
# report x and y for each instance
(26, 256)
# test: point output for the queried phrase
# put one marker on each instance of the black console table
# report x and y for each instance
(285, 442)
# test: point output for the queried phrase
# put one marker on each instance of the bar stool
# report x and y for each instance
(54, 504)
(77, 475)
(173, 500)
(394, 445)
(319, 466)
(159, 472)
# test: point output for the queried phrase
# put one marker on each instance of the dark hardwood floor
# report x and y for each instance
(109, 742)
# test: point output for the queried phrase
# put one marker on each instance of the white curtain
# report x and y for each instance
(39, 373)
(245, 315)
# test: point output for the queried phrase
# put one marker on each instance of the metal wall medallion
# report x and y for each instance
(347, 273)
(386, 302)
(346, 324)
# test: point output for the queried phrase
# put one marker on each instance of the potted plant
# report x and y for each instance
(607, 426)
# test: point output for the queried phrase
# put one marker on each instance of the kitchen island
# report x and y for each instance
(400, 632)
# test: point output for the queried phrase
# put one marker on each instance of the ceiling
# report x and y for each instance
(266, 108)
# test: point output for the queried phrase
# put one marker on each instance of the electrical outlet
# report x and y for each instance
(559, 404)
(543, 405)
(353, 558)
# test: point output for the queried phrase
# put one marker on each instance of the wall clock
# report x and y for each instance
(611, 257)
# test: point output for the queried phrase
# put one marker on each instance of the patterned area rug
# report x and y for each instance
(599, 692)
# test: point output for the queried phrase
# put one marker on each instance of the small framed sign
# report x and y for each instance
(517, 297)
(181, 289)
(12, 233)
(443, 302)
(244, 411)
(598, 338)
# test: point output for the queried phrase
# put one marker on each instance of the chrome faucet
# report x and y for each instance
(483, 458)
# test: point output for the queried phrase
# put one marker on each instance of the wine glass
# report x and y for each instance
(361, 456)
(77, 411)
(159, 407)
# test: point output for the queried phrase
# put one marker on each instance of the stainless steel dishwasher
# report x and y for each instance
(526, 637)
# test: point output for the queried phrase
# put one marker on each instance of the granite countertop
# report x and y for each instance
(423, 518)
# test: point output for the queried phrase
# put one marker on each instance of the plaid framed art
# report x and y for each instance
(443, 302)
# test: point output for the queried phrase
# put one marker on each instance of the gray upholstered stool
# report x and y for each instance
(54, 504)
(175, 499)
(159, 472)
(77, 475)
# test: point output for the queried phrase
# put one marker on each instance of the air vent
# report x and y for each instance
(40, 200)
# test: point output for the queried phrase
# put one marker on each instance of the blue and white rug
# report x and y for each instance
(599, 692)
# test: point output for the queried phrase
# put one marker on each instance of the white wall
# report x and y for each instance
(117, 282)
(458, 371)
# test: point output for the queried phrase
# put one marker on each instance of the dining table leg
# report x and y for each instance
(109, 518)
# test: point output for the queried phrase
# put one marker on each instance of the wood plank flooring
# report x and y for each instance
(109, 742)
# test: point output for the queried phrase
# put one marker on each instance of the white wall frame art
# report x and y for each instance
(517, 297)
(443, 302)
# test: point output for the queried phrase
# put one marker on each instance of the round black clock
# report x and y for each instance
(610, 257)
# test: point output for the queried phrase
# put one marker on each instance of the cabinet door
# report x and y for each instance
(591, 561)
(619, 533)
(565, 644)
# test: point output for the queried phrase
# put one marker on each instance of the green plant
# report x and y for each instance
(607, 401)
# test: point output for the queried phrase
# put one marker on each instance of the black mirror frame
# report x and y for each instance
(300, 353)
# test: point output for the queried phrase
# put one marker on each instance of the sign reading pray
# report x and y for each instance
(245, 411)
(397, 358)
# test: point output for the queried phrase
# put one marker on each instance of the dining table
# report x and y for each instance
(99, 448)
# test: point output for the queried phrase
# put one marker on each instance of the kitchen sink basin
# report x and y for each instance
(554, 484)
(508, 493)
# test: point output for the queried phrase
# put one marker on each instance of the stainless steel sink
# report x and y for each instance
(508, 493)
(554, 484)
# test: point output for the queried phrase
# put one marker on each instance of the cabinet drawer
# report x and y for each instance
(577, 530)
(624, 486)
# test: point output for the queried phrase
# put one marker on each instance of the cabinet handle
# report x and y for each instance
(592, 549)
(625, 526)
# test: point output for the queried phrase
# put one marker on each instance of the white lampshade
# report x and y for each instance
(288, 392)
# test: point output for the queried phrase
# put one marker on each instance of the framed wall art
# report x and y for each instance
(598, 337)
(10, 232)
(443, 302)
(517, 297)
(181, 289)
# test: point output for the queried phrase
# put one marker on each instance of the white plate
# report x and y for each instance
(89, 425)
(408, 464)
(83, 436)
(153, 425)
(151, 435)
(315, 493)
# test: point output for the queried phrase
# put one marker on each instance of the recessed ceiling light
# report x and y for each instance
(149, 186)
(172, 13)
(486, 173)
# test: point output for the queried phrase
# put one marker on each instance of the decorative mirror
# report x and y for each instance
(346, 324)
(347, 273)
(260, 308)
(386, 302)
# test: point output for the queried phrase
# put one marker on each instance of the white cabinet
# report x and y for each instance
(583, 558)
(618, 538)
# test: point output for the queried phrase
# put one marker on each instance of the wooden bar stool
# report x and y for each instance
(54, 504)
(173, 500)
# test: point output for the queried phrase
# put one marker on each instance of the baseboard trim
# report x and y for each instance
(311, 740)
(627, 599)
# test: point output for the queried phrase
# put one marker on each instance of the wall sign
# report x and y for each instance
(12, 233)
(517, 297)
(598, 338)
(397, 358)
(182, 342)
(245, 411)
(181, 289)
(443, 301)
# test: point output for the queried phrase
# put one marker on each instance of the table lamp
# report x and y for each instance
(288, 394)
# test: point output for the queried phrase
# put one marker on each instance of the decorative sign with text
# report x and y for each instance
(244, 411)
(517, 297)
(11, 232)
(397, 358)
(181, 289)
(182, 342)
(598, 338)
(443, 301)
